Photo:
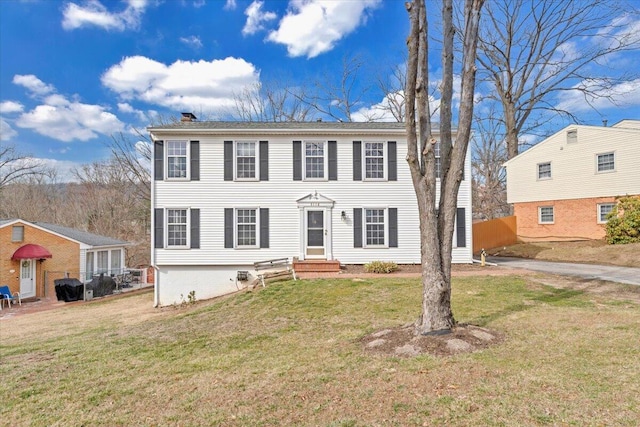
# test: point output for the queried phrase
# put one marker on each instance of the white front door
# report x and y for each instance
(27, 278)
(315, 234)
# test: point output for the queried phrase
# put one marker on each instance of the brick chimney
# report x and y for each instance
(188, 117)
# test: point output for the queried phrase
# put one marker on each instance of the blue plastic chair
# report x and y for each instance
(6, 295)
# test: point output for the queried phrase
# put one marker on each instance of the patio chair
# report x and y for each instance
(6, 295)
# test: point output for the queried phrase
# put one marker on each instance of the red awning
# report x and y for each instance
(31, 252)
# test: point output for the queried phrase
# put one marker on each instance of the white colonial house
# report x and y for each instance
(564, 187)
(226, 195)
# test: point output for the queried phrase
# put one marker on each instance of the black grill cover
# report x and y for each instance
(69, 290)
(102, 285)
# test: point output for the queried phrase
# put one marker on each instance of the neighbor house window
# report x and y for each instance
(17, 233)
(374, 160)
(544, 170)
(246, 227)
(116, 261)
(545, 215)
(177, 227)
(374, 225)
(314, 160)
(604, 209)
(177, 159)
(103, 261)
(88, 265)
(246, 159)
(606, 162)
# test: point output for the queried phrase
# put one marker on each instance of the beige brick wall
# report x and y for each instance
(65, 257)
(575, 219)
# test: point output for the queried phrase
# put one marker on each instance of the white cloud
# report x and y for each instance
(192, 41)
(255, 18)
(625, 94)
(312, 27)
(34, 84)
(124, 107)
(94, 13)
(7, 107)
(186, 85)
(230, 5)
(6, 131)
(382, 111)
(63, 168)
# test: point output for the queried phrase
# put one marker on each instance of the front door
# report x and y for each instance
(27, 278)
(315, 235)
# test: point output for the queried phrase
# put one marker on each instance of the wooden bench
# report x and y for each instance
(273, 268)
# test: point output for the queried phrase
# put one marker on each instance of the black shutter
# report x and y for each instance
(158, 161)
(393, 227)
(392, 160)
(264, 160)
(357, 227)
(357, 160)
(228, 161)
(333, 161)
(158, 228)
(228, 227)
(461, 231)
(195, 228)
(297, 160)
(264, 227)
(195, 160)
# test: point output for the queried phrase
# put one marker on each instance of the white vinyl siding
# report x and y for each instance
(575, 166)
(604, 209)
(177, 159)
(546, 215)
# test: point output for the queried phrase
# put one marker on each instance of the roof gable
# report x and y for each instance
(78, 236)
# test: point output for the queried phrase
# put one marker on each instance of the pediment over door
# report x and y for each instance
(315, 199)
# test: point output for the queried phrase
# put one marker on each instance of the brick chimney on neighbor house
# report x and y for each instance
(188, 117)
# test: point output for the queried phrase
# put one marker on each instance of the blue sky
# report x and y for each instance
(74, 72)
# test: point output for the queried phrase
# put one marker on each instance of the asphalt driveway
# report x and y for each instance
(627, 275)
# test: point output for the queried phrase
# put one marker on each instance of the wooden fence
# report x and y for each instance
(494, 233)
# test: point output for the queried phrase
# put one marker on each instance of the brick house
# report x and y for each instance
(33, 254)
(564, 187)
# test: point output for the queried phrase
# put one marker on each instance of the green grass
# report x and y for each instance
(289, 355)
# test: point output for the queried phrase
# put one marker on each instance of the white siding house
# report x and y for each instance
(563, 187)
(228, 194)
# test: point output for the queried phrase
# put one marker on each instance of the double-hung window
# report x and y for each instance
(103, 261)
(436, 153)
(544, 170)
(375, 227)
(315, 163)
(546, 215)
(246, 228)
(177, 227)
(374, 160)
(604, 209)
(177, 159)
(246, 160)
(606, 162)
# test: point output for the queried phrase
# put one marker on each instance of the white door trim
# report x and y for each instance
(316, 202)
(28, 280)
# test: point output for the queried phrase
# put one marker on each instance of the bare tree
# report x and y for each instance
(437, 224)
(133, 155)
(15, 165)
(534, 50)
(488, 154)
(268, 102)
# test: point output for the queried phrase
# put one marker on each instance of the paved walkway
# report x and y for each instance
(628, 275)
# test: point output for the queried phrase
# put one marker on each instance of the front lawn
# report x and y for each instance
(290, 354)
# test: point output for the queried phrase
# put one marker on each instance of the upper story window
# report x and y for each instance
(544, 170)
(246, 160)
(177, 227)
(604, 209)
(177, 159)
(374, 160)
(606, 162)
(315, 163)
(572, 136)
(546, 215)
(436, 152)
(17, 233)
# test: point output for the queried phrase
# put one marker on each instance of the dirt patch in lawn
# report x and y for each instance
(405, 342)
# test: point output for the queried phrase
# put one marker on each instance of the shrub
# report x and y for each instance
(380, 267)
(623, 223)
